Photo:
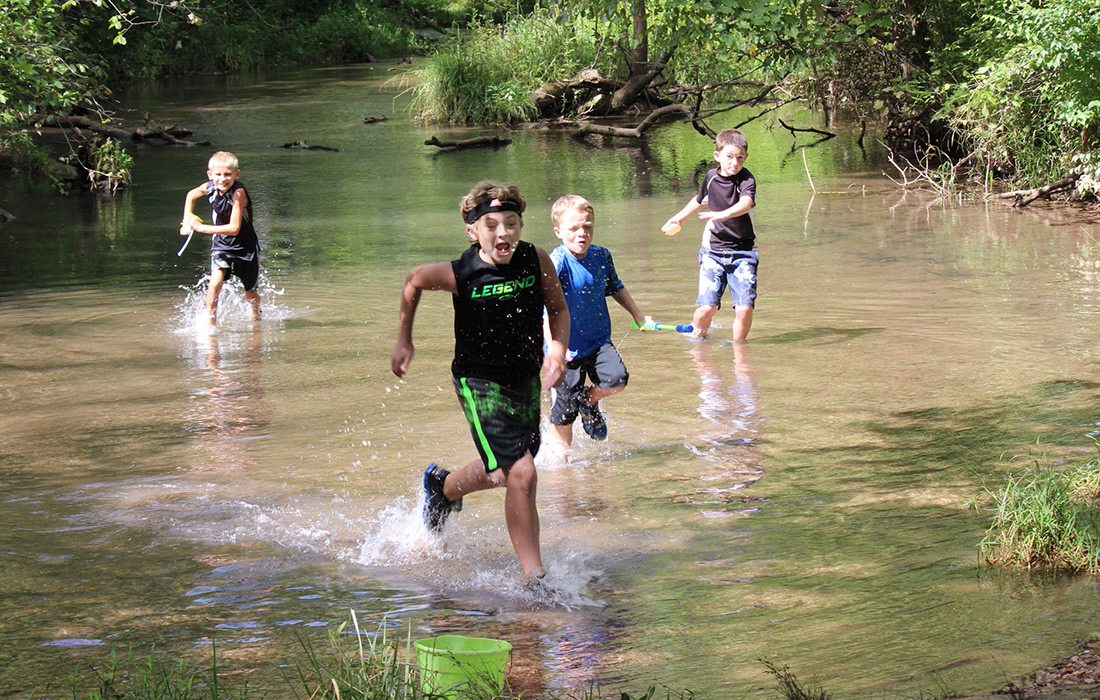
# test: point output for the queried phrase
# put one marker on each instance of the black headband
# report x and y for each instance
(492, 205)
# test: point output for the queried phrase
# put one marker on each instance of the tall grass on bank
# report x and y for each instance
(1047, 517)
(486, 74)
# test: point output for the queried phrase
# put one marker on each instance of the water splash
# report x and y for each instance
(234, 311)
(474, 558)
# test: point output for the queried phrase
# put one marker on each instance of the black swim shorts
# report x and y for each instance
(247, 271)
(504, 421)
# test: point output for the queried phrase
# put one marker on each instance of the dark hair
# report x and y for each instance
(731, 137)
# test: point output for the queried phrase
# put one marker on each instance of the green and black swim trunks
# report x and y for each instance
(504, 421)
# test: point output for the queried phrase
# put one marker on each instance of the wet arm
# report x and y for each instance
(557, 321)
(187, 223)
(627, 302)
(742, 207)
(433, 276)
(240, 203)
(690, 208)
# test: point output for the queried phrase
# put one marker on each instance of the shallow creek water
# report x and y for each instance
(800, 498)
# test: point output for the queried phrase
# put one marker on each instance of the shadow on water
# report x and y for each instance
(825, 334)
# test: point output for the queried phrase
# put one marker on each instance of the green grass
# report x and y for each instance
(352, 666)
(1047, 517)
(487, 74)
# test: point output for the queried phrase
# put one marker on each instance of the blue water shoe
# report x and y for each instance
(436, 505)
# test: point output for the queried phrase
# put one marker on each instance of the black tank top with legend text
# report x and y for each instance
(498, 317)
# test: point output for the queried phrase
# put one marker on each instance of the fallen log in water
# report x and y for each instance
(479, 142)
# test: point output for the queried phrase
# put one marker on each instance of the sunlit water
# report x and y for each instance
(800, 499)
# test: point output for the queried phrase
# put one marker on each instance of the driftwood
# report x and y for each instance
(167, 134)
(547, 96)
(1025, 197)
(810, 130)
(307, 147)
(478, 142)
(638, 131)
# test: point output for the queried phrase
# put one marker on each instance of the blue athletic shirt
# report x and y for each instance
(586, 283)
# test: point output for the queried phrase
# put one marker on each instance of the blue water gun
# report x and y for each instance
(651, 325)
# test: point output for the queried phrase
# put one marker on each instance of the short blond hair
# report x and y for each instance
(570, 202)
(224, 158)
(485, 191)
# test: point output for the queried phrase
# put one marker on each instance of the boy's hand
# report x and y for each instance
(402, 356)
(187, 226)
(671, 227)
(553, 369)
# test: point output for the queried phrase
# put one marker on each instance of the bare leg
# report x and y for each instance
(520, 513)
(742, 323)
(471, 478)
(564, 435)
(598, 393)
(253, 298)
(701, 320)
(213, 291)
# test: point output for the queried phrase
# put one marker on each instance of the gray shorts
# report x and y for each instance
(734, 269)
(604, 367)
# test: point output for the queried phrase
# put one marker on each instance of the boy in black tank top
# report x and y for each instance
(234, 247)
(499, 288)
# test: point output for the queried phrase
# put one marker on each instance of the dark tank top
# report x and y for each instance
(498, 317)
(244, 245)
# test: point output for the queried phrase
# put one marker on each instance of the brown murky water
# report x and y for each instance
(799, 499)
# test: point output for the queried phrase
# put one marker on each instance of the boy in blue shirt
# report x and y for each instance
(588, 277)
(727, 256)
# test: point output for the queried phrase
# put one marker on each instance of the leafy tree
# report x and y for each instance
(1029, 105)
(40, 72)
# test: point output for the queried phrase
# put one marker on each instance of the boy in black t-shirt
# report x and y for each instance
(234, 247)
(499, 287)
(727, 256)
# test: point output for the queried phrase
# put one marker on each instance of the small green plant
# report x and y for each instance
(111, 166)
(149, 678)
(1047, 518)
(790, 687)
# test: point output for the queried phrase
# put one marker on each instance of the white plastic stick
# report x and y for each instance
(184, 246)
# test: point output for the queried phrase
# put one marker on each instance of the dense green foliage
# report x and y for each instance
(61, 56)
(1047, 518)
(1029, 98)
(486, 74)
(40, 71)
(1009, 88)
(159, 40)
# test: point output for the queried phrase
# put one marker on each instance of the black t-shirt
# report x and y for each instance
(245, 245)
(722, 193)
(498, 317)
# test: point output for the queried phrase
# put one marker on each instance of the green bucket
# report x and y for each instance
(453, 666)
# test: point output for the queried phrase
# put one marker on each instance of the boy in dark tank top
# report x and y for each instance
(499, 287)
(234, 247)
